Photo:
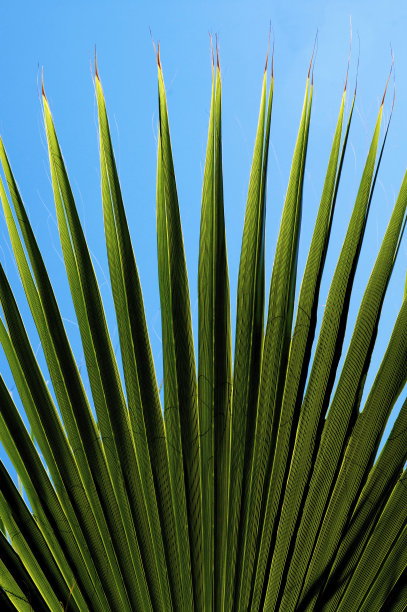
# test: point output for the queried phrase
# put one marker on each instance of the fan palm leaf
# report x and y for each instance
(255, 485)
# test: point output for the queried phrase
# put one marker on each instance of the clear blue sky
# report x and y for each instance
(61, 37)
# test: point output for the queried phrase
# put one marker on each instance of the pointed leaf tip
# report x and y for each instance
(313, 52)
(217, 52)
(96, 65)
(388, 79)
(158, 56)
(156, 49)
(272, 61)
(312, 74)
(268, 49)
(42, 83)
(213, 57)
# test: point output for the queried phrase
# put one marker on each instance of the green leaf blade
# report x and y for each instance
(248, 346)
(184, 349)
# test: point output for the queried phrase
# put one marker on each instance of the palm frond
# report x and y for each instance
(255, 486)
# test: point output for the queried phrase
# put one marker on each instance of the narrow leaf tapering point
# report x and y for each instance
(313, 52)
(272, 61)
(42, 83)
(156, 50)
(96, 66)
(388, 79)
(268, 49)
(213, 57)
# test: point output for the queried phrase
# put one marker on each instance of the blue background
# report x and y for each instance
(60, 37)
